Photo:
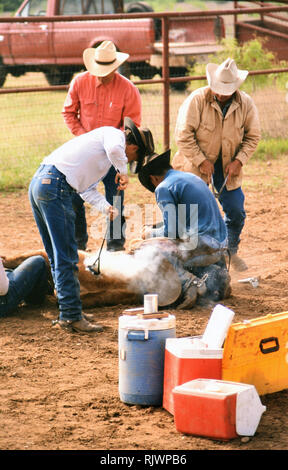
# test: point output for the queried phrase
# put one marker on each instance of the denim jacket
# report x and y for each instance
(190, 213)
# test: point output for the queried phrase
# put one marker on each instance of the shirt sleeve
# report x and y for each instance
(71, 109)
(167, 205)
(252, 135)
(133, 105)
(4, 281)
(187, 123)
(96, 199)
(114, 145)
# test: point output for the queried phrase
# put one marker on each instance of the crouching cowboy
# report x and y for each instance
(78, 166)
(193, 223)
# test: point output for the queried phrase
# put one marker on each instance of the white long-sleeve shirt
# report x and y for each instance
(4, 281)
(85, 160)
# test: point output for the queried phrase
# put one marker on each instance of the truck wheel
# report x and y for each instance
(142, 7)
(125, 70)
(138, 7)
(178, 72)
(180, 86)
(143, 70)
(3, 73)
(58, 76)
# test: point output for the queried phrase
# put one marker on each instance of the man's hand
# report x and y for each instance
(233, 169)
(112, 212)
(207, 168)
(122, 181)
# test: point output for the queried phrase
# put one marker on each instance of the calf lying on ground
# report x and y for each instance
(151, 266)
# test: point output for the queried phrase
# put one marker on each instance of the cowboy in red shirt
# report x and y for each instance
(101, 97)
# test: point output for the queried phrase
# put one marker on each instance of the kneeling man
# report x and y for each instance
(192, 217)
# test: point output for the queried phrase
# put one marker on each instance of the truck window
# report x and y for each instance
(86, 7)
(34, 8)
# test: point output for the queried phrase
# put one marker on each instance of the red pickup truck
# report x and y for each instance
(55, 48)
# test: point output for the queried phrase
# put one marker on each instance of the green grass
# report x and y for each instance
(270, 149)
(32, 126)
(261, 175)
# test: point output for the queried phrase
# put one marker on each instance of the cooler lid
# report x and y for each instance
(211, 388)
(191, 348)
(218, 325)
(249, 410)
(132, 322)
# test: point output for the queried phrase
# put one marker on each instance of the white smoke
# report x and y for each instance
(142, 263)
(145, 271)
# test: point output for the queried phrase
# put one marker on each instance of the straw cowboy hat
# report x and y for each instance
(151, 165)
(143, 138)
(225, 78)
(104, 59)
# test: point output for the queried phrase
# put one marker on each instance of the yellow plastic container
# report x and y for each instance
(256, 353)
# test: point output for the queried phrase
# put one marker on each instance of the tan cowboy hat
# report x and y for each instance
(104, 59)
(225, 78)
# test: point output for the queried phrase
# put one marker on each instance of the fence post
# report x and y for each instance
(235, 19)
(166, 83)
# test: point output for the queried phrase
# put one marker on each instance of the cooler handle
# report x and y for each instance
(137, 335)
(268, 340)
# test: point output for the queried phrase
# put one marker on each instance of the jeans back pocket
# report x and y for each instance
(46, 186)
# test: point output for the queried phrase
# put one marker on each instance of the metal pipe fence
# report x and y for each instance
(31, 108)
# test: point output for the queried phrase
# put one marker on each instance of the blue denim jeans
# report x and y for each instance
(28, 282)
(51, 201)
(81, 232)
(232, 203)
(116, 228)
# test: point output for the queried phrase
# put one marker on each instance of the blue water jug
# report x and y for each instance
(141, 358)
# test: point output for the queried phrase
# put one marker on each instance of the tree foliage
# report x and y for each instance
(10, 5)
(251, 56)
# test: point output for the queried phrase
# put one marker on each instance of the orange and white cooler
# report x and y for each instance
(187, 359)
(217, 409)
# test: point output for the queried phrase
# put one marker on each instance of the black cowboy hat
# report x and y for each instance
(143, 138)
(152, 164)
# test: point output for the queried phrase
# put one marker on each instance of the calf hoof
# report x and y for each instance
(189, 298)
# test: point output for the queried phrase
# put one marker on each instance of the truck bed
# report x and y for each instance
(274, 33)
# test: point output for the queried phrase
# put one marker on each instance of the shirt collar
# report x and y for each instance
(210, 97)
(98, 83)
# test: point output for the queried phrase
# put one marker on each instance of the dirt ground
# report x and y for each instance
(59, 391)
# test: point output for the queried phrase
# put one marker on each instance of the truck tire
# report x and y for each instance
(58, 76)
(143, 70)
(3, 73)
(138, 7)
(178, 72)
(142, 7)
(125, 70)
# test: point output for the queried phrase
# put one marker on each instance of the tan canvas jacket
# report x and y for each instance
(202, 132)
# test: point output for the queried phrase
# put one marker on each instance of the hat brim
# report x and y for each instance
(151, 164)
(222, 88)
(129, 124)
(100, 70)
